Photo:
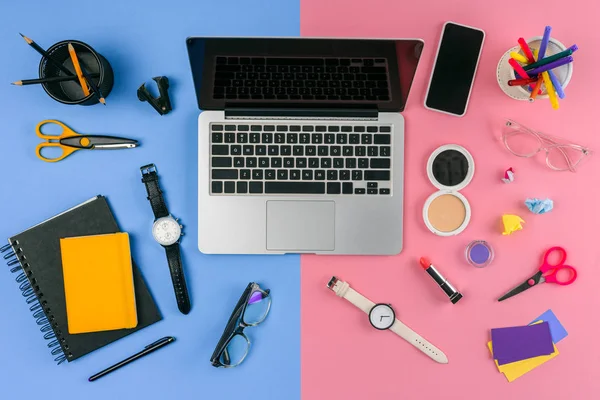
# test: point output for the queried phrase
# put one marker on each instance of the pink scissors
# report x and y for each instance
(548, 273)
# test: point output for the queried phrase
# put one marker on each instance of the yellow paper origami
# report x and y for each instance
(512, 223)
(517, 369)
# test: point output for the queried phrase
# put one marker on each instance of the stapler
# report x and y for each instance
(162, 103)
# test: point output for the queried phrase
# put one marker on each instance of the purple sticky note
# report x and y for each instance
(521, 342)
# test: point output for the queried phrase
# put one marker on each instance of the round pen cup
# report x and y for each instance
(505, 72)
(70, 92)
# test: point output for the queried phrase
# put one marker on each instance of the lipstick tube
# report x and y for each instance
(453, 294)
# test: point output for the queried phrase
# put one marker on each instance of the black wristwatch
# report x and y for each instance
(167, 232)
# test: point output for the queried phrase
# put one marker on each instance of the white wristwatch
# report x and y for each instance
(382, 317)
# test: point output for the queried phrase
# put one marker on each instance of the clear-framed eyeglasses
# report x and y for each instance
(561, 155)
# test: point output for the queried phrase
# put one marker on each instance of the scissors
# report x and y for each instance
(70, 141)
(548, 273)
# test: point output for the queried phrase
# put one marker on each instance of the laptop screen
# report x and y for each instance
(303, 72)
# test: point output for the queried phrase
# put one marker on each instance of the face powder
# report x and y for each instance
(479, 253)
(446, 213)
(450, 168)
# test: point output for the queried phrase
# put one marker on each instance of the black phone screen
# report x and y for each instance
(454, 69)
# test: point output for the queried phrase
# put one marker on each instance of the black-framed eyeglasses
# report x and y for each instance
(252, 309)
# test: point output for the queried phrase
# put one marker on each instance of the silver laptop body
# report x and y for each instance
(284, 167)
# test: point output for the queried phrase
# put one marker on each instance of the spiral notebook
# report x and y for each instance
(35, 255)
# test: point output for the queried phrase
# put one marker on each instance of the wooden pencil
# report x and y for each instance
(95, 88)
(77, 66)
(54, 79)
(45, 54)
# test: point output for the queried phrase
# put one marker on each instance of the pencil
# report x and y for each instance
(45, 54)
(95, 88)
(77, 66)
(54, 79)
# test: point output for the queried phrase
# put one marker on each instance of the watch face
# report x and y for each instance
(166, 231)
(382, 316)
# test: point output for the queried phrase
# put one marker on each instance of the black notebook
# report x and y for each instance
(36, 254)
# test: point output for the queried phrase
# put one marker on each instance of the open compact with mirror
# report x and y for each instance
(450, 168)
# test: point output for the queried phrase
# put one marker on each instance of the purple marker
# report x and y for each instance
(557, 86)
(544, 43)
(552, 65)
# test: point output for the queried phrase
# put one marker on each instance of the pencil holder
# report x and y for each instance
(70, 92)
(505, 72)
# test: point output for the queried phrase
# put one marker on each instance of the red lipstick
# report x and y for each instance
(453, 294)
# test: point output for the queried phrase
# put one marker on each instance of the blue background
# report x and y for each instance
(140, 40)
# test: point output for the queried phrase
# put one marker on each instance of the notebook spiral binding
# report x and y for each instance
(40, 309)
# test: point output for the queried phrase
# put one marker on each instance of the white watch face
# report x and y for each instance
(382, 316)
(166, 231)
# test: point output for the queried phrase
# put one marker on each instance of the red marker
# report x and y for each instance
(519, 70)
(450, 291)
(526, 50)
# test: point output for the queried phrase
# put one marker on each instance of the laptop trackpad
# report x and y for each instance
(300, 225)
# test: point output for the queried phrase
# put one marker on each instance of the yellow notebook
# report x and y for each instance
(98, 279)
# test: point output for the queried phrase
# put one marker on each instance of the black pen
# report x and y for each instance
(147, 350)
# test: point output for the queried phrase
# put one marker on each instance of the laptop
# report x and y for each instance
(301, 143)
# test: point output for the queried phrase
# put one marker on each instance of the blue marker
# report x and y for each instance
(557, 87)
(544, 44)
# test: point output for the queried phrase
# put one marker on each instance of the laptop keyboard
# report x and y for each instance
(300, 159)
(269, 78)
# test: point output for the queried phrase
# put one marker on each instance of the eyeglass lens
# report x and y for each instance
(235, 351)
(257, 308)
(522, 142)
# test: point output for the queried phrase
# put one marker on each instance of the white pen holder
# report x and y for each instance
(505, 72)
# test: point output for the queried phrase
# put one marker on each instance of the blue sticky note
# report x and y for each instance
(557, 331)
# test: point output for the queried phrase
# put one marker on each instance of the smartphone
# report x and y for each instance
(454, 70)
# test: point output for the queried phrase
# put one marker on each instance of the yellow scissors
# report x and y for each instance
(70, 141)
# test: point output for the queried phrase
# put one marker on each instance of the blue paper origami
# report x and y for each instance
(538, 206)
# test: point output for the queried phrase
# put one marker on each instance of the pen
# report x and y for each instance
(526, 50)
(552, 58)
(544, 43)
(521, 82)
(557, 86)
(552, 65)
(520, 58)
(550, 90)
(520, 71)
(147, 350)
(536, 90)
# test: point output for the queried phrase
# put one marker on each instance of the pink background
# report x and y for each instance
(342, 356)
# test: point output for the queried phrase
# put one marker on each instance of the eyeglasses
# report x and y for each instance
(560, 154)
(252, 309)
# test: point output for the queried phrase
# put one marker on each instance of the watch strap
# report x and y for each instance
(418, 341)
(178, 277)
(343, 290)
(150, 179)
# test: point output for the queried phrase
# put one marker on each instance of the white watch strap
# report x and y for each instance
(418, 341)
(343, 290)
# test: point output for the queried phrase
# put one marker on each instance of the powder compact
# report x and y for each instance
(450, 168)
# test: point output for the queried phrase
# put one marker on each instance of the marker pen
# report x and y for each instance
(450, 291)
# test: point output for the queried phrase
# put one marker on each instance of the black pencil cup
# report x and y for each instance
(70, 92)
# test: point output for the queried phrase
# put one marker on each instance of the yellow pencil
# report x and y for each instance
(550, 90)
(518, 57)
(75, 60)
